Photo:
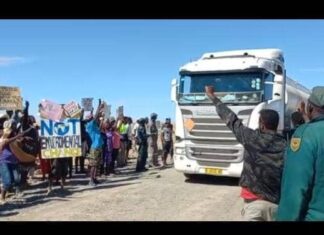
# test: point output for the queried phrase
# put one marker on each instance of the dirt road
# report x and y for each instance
(158, 194)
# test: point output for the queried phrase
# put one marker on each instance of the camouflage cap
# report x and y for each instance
(317, 96)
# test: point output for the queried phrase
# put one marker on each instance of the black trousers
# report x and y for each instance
(142, 156)
(76, 163)
(114, 156)
(70, 165)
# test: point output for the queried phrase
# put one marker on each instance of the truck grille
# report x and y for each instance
(211, 128)
(214, 164)
(213, 142)
(215, 154)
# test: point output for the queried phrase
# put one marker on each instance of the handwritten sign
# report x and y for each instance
(10, 102)
(50, 110)
(60, 139)
(9, 91)
(10, 98)
(87, 104)
(72, 109)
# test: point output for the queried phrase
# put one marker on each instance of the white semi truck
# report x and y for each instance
(248, 81)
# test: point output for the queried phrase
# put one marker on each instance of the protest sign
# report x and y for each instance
(60, 139)
(10, 98)
(72, 109)
(50, 110)
(87, 104)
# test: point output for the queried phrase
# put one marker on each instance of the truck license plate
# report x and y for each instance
(213, 171)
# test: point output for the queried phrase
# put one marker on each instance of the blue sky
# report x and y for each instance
(132, 62)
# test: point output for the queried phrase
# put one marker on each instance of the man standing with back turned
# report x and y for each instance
(302, 192)
(263, 160)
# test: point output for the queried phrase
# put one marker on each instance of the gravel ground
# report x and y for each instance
(155, 195)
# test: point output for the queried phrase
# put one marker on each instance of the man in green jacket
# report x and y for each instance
(302, 191)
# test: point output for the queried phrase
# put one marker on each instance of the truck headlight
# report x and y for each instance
(181, 151)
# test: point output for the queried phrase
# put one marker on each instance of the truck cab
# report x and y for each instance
(247, 81)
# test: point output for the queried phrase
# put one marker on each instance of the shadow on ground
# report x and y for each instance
(216, 180)
(37, 194)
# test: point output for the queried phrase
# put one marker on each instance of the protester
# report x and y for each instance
(96, 145)
(142, 149)
(167, 140)
(263, 160)
(152, 141)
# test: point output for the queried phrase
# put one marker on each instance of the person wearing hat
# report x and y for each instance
(3, 117)
(142, 146)
(152, 141)
(9, 161)
(302, 194)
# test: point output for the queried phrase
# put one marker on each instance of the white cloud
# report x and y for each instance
(318, 69)
(7, 60)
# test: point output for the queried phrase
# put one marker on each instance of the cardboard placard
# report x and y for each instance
(87, 104)
(50, 110)
(9, 91)
(72, 109)
(60, 139)
(10, 102)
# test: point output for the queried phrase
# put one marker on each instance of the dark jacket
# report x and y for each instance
(141, 135)
(302, 195)
(263, 156)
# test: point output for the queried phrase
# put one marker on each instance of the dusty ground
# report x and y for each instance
(158, 194)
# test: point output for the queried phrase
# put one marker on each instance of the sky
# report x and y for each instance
(132, 62)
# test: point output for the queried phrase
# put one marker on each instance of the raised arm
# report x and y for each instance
(25, 117)
(100, 106)
(243, 134)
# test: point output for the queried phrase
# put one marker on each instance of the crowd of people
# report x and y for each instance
(282, 177)
(106, 145)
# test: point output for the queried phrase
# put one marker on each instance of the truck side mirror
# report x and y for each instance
(174, 90)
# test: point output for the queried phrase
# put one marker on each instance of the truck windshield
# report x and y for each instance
(234, 87)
